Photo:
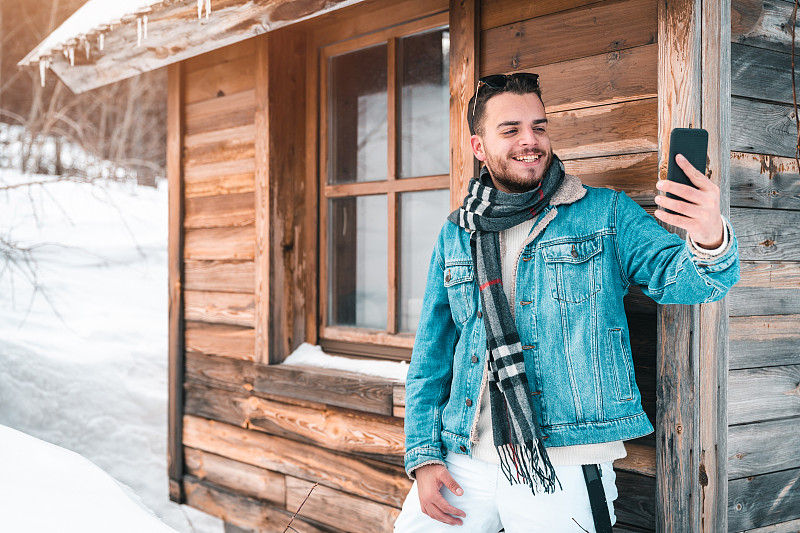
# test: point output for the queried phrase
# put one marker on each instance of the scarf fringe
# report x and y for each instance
(529, 465)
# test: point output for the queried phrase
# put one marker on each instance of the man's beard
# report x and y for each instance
(518, 183)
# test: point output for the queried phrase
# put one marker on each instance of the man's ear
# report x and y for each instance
(476, 144)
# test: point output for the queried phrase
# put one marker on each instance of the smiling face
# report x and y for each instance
(513, 141)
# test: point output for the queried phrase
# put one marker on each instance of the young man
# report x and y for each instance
(521, 379)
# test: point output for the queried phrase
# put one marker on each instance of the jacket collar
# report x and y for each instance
(570, 191)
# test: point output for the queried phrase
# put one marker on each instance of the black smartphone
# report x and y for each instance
(693, 144)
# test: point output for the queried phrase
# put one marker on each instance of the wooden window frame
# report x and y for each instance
(389, 343)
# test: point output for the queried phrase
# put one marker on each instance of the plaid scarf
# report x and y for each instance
(515, 425)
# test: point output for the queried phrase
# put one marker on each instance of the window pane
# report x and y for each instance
(425, 104)
(357, 119)
(421, 216)
(357, 255)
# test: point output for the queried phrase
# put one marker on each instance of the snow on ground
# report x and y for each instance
(79, 497)
(309, 355)
(83, 361)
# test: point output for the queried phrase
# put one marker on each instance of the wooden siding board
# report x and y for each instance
(763, 447)
(220, 308)
(226, 54)
(762, 23)
(767, 234)
(220, 243)
(763, 341)
(220, 275)
(605, 27)
(220, 211)
(239, 477)
(762, 128)
(760, 301)
(763, 500)
(759, 180)
(792, 526)
(217, 146)
(220, 79)
(224, 177)
(761, 394)
(377, 481)
(228, 111)
(637, 506)
(496, 13)
(761, 74)
(636, 174)
(607, 130)
(606, 78)
(339, 509)
(221, 339)
(235, 375)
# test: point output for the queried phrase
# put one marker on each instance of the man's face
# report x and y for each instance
(514, 144)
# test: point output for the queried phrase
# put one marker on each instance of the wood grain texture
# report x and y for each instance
(762, 341)
(637, 506)
(235, 375)
(221, 339)
(464, 49)
(607, 130)
(220, 211)
(220, 243)
(220, 79)
(636, 174)
(226, 276)
(641, 459)
(601, 79)
(763, 447)
(238, 477)
(763, 23)
(764, 500)
(339, 509)
(759, 180)
(598, 28)
(337, 388)
(237, 109)
(792, 526)
(762, 128)
(175, 278)
(501, 12)
(263, 199)
(224, 177)
(761, 394)
(219, 308)
(242, 511)
(767, 234)
(379, 482)
(761, 74)
(216, 146)
(226, 54)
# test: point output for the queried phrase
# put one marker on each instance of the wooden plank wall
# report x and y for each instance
(597, 62)
(764, 376)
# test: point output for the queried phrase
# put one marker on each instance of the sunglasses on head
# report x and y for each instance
(498, 81)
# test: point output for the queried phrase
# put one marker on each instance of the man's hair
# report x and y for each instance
(514, 85)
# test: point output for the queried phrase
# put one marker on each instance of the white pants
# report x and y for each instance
(492, 503)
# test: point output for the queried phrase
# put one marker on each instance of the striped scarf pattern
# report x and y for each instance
(515, 424)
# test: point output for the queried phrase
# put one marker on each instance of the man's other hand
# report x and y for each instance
(699, 214)
(430, 480)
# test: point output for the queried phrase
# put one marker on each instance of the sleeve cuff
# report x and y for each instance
(717, 251)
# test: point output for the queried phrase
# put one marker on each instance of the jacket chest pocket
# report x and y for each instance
(573, 269)
(460, 283)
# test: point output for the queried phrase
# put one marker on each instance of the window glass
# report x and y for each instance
(358, 116)
(421, 216)
(424, 104)
(357, 252)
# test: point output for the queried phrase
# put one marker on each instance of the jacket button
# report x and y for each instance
(469, 402)
(474, 359)
(574, 252)
(447, 278)
(480, 314)
(462, 448)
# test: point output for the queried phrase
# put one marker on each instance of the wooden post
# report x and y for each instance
(464, 42)
(262, 198)
(691, 424)
(175, 247)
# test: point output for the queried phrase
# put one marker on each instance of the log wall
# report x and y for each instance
(764, 375)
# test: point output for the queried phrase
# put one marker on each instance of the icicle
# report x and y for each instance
(102, 41)
(208, 8)
(42, 69)
(139, 31)
(199, 9)
(72, 56)
(86, 46)
(144, 23)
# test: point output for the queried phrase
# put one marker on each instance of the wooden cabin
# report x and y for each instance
(286, 118)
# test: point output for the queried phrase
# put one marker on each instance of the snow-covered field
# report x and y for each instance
(83, 358)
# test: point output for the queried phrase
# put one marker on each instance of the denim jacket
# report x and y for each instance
(584, 252)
